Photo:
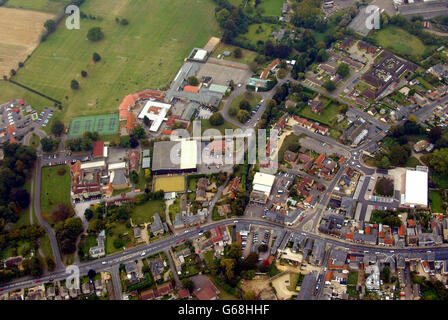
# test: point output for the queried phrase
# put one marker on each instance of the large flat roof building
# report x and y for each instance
(416, 192)
(174, 156)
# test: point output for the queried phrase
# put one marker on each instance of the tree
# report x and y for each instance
(146, 121)
(216, 119)
(384, 187)
(61, 212)
(50, 25)
(329, 85)
(57, 127)
(343, 70)
(439, 161)
(243, 116)
(221, 16)
(188, 284)
(96, 57)
(125, 141)
(74, 84)
(20, 196)
(139, 132)
(384, 163)
(91, 274)
(84, 73)
(237, 53)
(95, 34)
(245, 105)
(435, 134)
(399, 155)
(47, 144)
(385, 274)
(124, 22)
(88, 213)
(133, 176)
(193, 81)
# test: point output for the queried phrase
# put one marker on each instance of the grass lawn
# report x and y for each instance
(260, 32)
(147, 53)
(435, 198)
(208, 257)
(246, 58)
(34, 140)
(272, 7)
(328, 116)
(253, 99)
(440, 180)
(143, 213)
(174, 209)
(9, 91)
(55, 189)
(45, 246)
(205, 125)
(400, 41)
(223, 294)
(87, 243)
(119, 230)
(51, 6)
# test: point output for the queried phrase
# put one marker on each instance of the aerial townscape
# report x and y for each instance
(127, 130)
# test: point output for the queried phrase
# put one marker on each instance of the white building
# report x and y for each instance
(156, 112)
(263, 182)
(416, 184)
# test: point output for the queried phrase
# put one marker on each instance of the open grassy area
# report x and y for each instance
(147, 53)
(436, 201)
(9, 91)
(247, 55)
(400, 41)
(260, 32)
(143, 213)
(327, 116)
(51, 6)
(205, 125)
(293, 279)
(272, 7)
(45, 246)
(252, 98)
(287, 142)
(413, 162)
(55, 189)
(118, 231)
(34, 140)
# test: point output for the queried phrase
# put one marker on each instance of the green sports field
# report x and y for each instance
(51, 6)
(272, 7)
(105, 125)
(147, 53)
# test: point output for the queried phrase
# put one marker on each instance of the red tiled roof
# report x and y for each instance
(98, 149)
(319, 159)
(193, 89)
(349, 236)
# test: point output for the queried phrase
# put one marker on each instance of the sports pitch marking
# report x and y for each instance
(104, 124)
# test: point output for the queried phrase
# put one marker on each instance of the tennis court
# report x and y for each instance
(103, 124)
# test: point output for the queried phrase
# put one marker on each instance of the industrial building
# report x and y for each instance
(175, 157)
(416, 184)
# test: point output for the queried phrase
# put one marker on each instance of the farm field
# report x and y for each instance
(400, 41)
(134, 57)
(51, 6)
(21, 30)
(170, 184)
(55, 189)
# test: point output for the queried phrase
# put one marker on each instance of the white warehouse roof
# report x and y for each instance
(264, 179)
(188, 155)
(95, 164)
(416, 188)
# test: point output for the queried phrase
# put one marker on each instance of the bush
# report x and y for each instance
(96, 57)
(95, 34)
(74, 84)
(84, 73)
(216, 119)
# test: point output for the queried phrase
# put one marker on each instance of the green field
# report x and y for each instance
(51, 6)
(55, 189)
(9, 91)
(400, 41)
(143, 213)
(253, 99)
(246, 58)
(436, 201)
(260, 32)
(328, 116)
(105, 125)
(147, 53)
(272, 7)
